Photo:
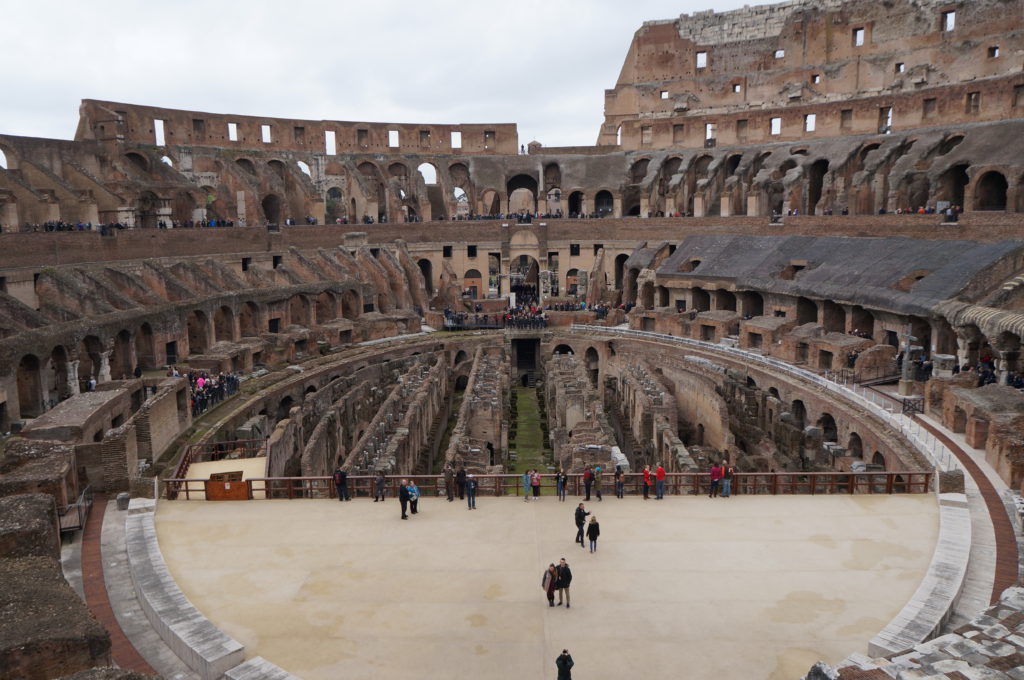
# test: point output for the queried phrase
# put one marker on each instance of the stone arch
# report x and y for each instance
(138, 161)
(427, 270)
(298, 310)
(562, 349)
(833, 317)
(277, 167)
(326, 307)
(620, 265)
(815, 183)
(428, 171)
(522, 193)
(472, 280)
(638, 170)
(806, 311)
(283, 407)
(224, 324)
(30, 393)
(198, 332)
(148, 209)
(145, 349)
(799, 413)
(121, 358)
(90, 353)
(855, 446)
(953, 184)
(592, 359)
(604, 203)
(398, 170)
(247, 165)
(271, 205)
(878, 459)
(460, 356)
(990, 191)
(575, 203)
(829, 429)
(700, 300)
(351, 304)
(249, 320)
(334, 205)
(572, 281)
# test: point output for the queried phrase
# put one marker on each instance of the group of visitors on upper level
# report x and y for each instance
(207, 390)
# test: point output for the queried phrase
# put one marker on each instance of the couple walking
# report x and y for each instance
(592, 530)
(557, 578)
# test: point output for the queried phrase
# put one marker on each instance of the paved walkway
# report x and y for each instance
(751, 587)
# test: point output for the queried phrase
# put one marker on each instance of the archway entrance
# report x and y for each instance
(272, 208)
(523, 276)
(30, 396)
(427, 269)
(990, 192)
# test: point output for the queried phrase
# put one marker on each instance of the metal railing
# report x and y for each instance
(207, 451)
(934, 450)
(676, 483)
(73, 517)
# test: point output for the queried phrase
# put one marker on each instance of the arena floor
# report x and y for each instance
(687, 587)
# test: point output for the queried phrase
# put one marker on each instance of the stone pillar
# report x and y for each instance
(725, 209)
(104, 374)
(698, 205)
(73, 378)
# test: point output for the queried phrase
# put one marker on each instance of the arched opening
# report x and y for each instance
(572, 281)
(725, 300)
(428, 172)
(304, 168)
(121, 367)
(524, 274)
(522, 194)
(799, 413)
(833, 317)
(277, 167)
(149, 205)
(398, 170)
(326, 307)
(815, 181)
(952, 184)
(224, 325)
(3, 160)
(701, 300)
(575, 203)
(283, 407)
(855, 447)
(620, 266)
(461, 201)
(59, 373)
(89, 359)
(878, 459)
(917, 189)
(145, 353)
(563, 349)
(806, 311)
(334, 206)
(298, 310)
(198, 336)
(427, 270)
(249, 320)
(166, 160)
(473, 284)
(30, 396)
(661, 296)
(752, 302)
(647, 295)
(733, 163)
(460, 357)
(593, 361)
(990, 192)
(638, 171)
(138, 161)
(246, 165)
(829, 431)
(351, 304)
(604, 204)
(272, 208)
(774, 392)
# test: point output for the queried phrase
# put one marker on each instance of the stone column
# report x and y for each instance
(104, 374)
(73, 378)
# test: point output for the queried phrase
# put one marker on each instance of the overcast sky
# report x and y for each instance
(543, 64)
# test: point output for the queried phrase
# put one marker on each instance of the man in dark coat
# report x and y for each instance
(460, 482)
(449, 482)
(564, 575)
(403, 498)
(341, 484)
(581, 519)
(564, 664)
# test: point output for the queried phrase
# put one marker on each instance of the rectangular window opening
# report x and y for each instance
(265, 134)
(816, 78)
(232, 132)
(737, 88)
(900, 67)
(884, 119)
(858, 37)
(779, 54)
(930, 107)
(456, 139)
(158, 131)
(973, 104)
(278, 259)
(810, 122)
(709, 130)
(678, 133)
(447, 251)
(949, 20)
(300, 134)
(776, 126)
(393, 139)
(424, 137)
(993, 52)
(646, 135)
(741, 129)
(330, 143)
(246, 261)
(846, 119)
(574, 249)
(362, 137)
(1018, 96)
(664, 94)
(470, 251)
(598, 247)
(489, 139)
(199, 127)
(702, 60)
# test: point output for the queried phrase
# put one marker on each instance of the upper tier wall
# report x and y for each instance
(117, 121)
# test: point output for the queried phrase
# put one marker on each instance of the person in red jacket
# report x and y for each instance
(659, 486)
(716, 475)
(647, 482)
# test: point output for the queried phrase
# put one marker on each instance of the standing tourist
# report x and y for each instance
(561, 481)
(659, 483)
(588, 482)
(727, 473)
(535, 484)
(581, 518)
(471, 492)
(379, 483)
(526, 485)
(564, 581)
(620, 482)
(548, 581)
(341, 484)
(593, 531)
(414, 497)
(460, 482)
(716, 475)
(647, 482)
(597, 483)
(403, 498)
(564, 665)
(449, 482)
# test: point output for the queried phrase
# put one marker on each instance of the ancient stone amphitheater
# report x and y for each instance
(797, 246)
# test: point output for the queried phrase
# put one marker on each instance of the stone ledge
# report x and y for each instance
(201, 645)
(933, 602)
(259, 669)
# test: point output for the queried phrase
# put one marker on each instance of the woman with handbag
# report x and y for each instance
(548, 582)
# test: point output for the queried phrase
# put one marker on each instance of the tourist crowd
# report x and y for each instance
(207, 390)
